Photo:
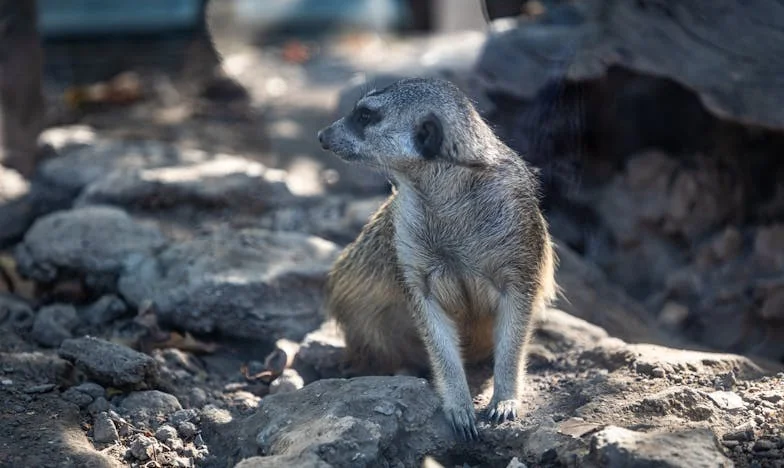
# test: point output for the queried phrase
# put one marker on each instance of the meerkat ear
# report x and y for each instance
(429, 137)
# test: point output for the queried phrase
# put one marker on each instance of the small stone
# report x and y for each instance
(730, 443)
(187, 429)
(143, 447)
(181, 462)
(104, 430)
(198, 441)
(99, 405)
(658, 372)
(6, 382)
(76, 397)
(516, 463)
(183, 415)
(92, 389)
(727, 400)
(110, 364)
(772, 397)
(149, 405)
(43, 388)
(165, 433)
(763, 445)
(54, 324)
(742, 433)
(105, 310)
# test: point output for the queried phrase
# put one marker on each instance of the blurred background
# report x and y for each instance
(158, 160)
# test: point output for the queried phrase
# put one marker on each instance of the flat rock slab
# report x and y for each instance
(223, 181)
(247, 283)
(110, 364)
(93, 241)
(84, 158)
(695, 448)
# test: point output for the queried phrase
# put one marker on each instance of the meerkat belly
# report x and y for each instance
(471, 303)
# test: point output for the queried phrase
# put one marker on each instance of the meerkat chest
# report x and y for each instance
(458, 237)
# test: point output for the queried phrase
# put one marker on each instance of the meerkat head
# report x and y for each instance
(411, 122)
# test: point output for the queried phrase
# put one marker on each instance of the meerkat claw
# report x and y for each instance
(501, 411)
(463, 423)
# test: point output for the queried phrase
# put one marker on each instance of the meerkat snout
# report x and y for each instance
(322, 138)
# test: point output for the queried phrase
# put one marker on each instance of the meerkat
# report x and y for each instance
(454, 266)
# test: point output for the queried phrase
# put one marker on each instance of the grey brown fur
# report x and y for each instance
(455, 264)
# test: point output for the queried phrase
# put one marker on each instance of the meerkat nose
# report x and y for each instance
(324, 144)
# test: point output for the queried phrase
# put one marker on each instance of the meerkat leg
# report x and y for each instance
(512, 333)
(443, 346)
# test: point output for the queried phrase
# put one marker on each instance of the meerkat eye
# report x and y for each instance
(364, 116)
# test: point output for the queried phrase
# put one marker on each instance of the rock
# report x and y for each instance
(104, 430)
(93, 241)
(92, 389)
(727, 400)
(742, 433)
(223, 181)
(308, 460)
(98, 406)
(336, 422)
(53, 324)
(187, 429)
(247, 283)
(515, 463)
(619, 447)
(143, 447)
(165, 433)
(289, 381)
(16, 311)
(182, 416)
(110, 364)
(83, 158)
(76, 397)
(147, 406)
(105, 310)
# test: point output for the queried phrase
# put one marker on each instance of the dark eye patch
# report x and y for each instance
(362, 117)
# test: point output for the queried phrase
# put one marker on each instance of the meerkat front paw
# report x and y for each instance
(504, 410)
(463, 421)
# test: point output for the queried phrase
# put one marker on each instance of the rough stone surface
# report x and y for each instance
(54, 323)
(618, 447)
(147, 406)
(248, 283)
(106, 309)
(84, 157)
(223, 181)
(104, 430)
(110, 364)
(93, 241)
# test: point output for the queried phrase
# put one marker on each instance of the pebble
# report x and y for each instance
(92, 389)
(187, 429)
(165, 432)
(143, 447)
(763, 445)
(658, 372)
(744, 432)
(98, 406)
(104, 430)
(105, 310)
(727, 400)
(76, 397)
(54, 324)
(40, 388)
(183, 415)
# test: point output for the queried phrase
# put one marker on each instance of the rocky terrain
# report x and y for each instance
(161, 289)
